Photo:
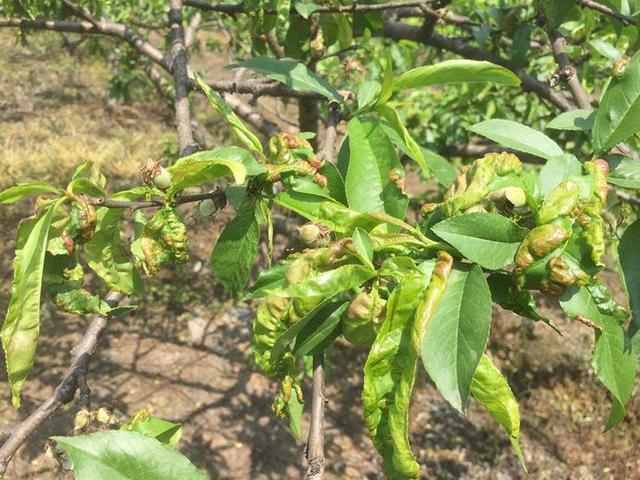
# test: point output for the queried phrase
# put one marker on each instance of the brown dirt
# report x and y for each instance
(185, 352)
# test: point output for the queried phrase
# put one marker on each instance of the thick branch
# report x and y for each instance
(64, 392)
(568, 72)
(181, 80)
(315, 443)
(330, 134)
(354, 7)
(401, 31)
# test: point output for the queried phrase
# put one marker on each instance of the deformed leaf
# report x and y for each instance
(558, 169)
(491, 390)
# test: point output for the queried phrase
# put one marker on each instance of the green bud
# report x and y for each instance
(207, 207)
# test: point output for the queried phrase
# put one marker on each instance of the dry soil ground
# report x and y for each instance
(185, 352)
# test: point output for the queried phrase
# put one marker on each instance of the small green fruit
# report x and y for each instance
(162, 179)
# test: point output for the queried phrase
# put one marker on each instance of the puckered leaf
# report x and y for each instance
(17, 193)
(490, 388)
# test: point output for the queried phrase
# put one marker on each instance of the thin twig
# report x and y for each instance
(315, 443)
(567, 71)
(216, 195)
(627, 197)
(599, 7)
(64, 392)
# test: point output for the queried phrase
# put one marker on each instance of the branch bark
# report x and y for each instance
(315, 443)
(216, 195)
(568, 72)
(181, 80)
(330, 134)
(64, 392)
(599, 7)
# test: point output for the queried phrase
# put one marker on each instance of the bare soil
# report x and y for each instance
(185, 352)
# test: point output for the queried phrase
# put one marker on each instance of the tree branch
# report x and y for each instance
(64, 392)
(599, 7)
(568, 72)
(330, 134)
(181, 77)
(402, 31)
(354, 7)
(216, 195)
(315, 443)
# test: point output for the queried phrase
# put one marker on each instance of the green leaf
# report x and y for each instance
(363, 246)
(118, 455)
(21, 190)
(270, 279)
(457, 334)
(317, 209)
(618, 116)
(456, 71)
(367, 95)
(294, 411)
(387, 81)
(489, 239)
(373, 161)
(81, 186)
(558, 169)
(615, 364)
(492, 391)
(206, 166)
(335, 182)
(236, 249)
(402, 138)
(630, 266)
(104, 252)
(326, 284)
(293, 74)
(239, 129)
(305, 9)
(444, 172)
(283, 8)
(322, 327)
(578, 120)
(389, 375)
(154, 427)
(517, 136)
(21, 326)
(625, 172)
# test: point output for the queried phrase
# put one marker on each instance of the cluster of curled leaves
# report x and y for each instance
(406, 292)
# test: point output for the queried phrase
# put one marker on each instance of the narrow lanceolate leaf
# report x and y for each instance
(456, 71)
(578, 120)
(206, 166)
(625, 172)
(125, 456)
(17, 193)
(558, 169)
(457, 334)
(239, 129)
(386, 394)
(489, 239)
(402, 138)
(614, 363)
(237, 246)
(318, 209)
(442, 169)
(104, 252)
(618, 116)
(517, 136)
(491, 390)
(293, 74)
(374, 171)
(630, 265)
(326, 284)
(21, 327)
(166, 432)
